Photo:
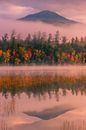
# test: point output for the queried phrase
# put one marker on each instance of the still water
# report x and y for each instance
(49, 105)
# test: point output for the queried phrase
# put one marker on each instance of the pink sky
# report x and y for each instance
(74, 9)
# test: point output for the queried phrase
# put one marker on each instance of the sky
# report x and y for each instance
(73, 9)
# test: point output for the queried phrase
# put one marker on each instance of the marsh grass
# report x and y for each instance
(73, 125)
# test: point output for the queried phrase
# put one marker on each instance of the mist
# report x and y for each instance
(23, 28)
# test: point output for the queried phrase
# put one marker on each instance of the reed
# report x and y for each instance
(73, 125)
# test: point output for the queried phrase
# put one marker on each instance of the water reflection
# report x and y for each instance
(43, 95)
(7, 109)
(67, 125)
(40, 85)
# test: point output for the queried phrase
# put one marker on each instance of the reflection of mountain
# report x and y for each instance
(48, 114)
(71, 120)
(48, 17)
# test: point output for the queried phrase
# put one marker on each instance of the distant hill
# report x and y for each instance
(48, 17)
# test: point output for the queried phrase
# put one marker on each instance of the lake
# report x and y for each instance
(43, 101)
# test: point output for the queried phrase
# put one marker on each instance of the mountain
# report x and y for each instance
(48, 17)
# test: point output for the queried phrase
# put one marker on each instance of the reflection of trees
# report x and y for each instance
(39, 85)
(54, 87)
(57, 95)
(38, 91)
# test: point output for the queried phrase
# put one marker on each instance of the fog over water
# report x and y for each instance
(23, 28)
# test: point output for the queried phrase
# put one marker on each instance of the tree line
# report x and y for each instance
(42, 49)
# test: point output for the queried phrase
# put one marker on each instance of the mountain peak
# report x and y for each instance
(47, 12)
(48, 17)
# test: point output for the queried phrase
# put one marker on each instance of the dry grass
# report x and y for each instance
(73, 125)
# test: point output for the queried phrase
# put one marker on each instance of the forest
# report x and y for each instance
(41, 48)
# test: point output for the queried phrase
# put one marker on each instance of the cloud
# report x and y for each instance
(10, 10)
(44, 2)
(74, 9)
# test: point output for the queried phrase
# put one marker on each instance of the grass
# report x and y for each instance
(72, 125)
